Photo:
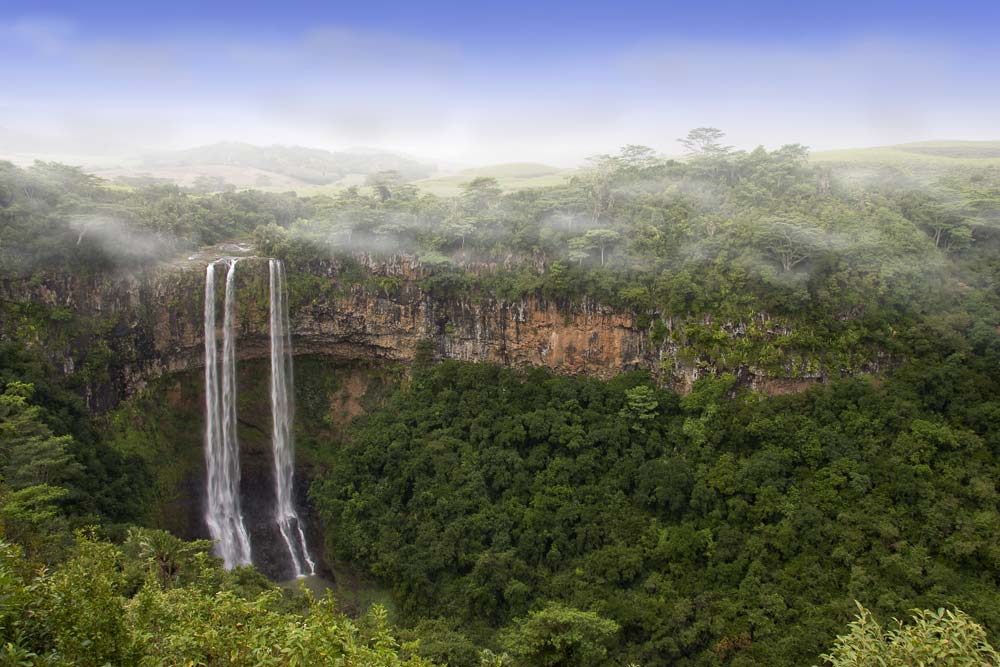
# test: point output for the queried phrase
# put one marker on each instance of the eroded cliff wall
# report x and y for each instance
(113, 334)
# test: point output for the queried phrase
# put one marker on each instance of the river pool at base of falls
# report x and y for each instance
(314, 583)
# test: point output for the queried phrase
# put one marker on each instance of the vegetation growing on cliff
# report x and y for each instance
(56, 473)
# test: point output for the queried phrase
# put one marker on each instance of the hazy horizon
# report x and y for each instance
(479, 85)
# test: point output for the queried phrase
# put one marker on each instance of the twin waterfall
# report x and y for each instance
(223, 513)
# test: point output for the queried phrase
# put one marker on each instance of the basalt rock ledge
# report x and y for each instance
(115, 333)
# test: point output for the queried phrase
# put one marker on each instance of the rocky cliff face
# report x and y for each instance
(116, 333)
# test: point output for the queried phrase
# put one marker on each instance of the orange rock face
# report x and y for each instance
(151, 325)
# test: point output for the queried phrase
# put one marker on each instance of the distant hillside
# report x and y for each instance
(311, 166)
(510, 176)
(512, 170)
(923, 152)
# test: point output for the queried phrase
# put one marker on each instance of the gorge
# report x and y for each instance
(352, 309)
(692, 431)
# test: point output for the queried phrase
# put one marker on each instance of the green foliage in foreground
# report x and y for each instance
(90, 611)
(942, 638)
(721, 527)
(83, 613)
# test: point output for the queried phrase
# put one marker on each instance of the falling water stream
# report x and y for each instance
(223, 513)
(282, 440)
(222, 457)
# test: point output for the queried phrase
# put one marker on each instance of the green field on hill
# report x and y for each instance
(927, 153)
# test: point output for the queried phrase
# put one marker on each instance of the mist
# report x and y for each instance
(120, 242)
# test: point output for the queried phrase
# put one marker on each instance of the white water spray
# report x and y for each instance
(282, 439)
(222, 457)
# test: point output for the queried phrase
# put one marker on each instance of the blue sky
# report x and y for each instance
(478, 82)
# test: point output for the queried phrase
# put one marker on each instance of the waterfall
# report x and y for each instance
(282, 440)
(222, 456)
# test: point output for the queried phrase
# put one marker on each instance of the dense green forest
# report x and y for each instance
(714, 528)
(519, 518)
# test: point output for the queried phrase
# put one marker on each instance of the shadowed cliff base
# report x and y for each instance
(164, 425)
